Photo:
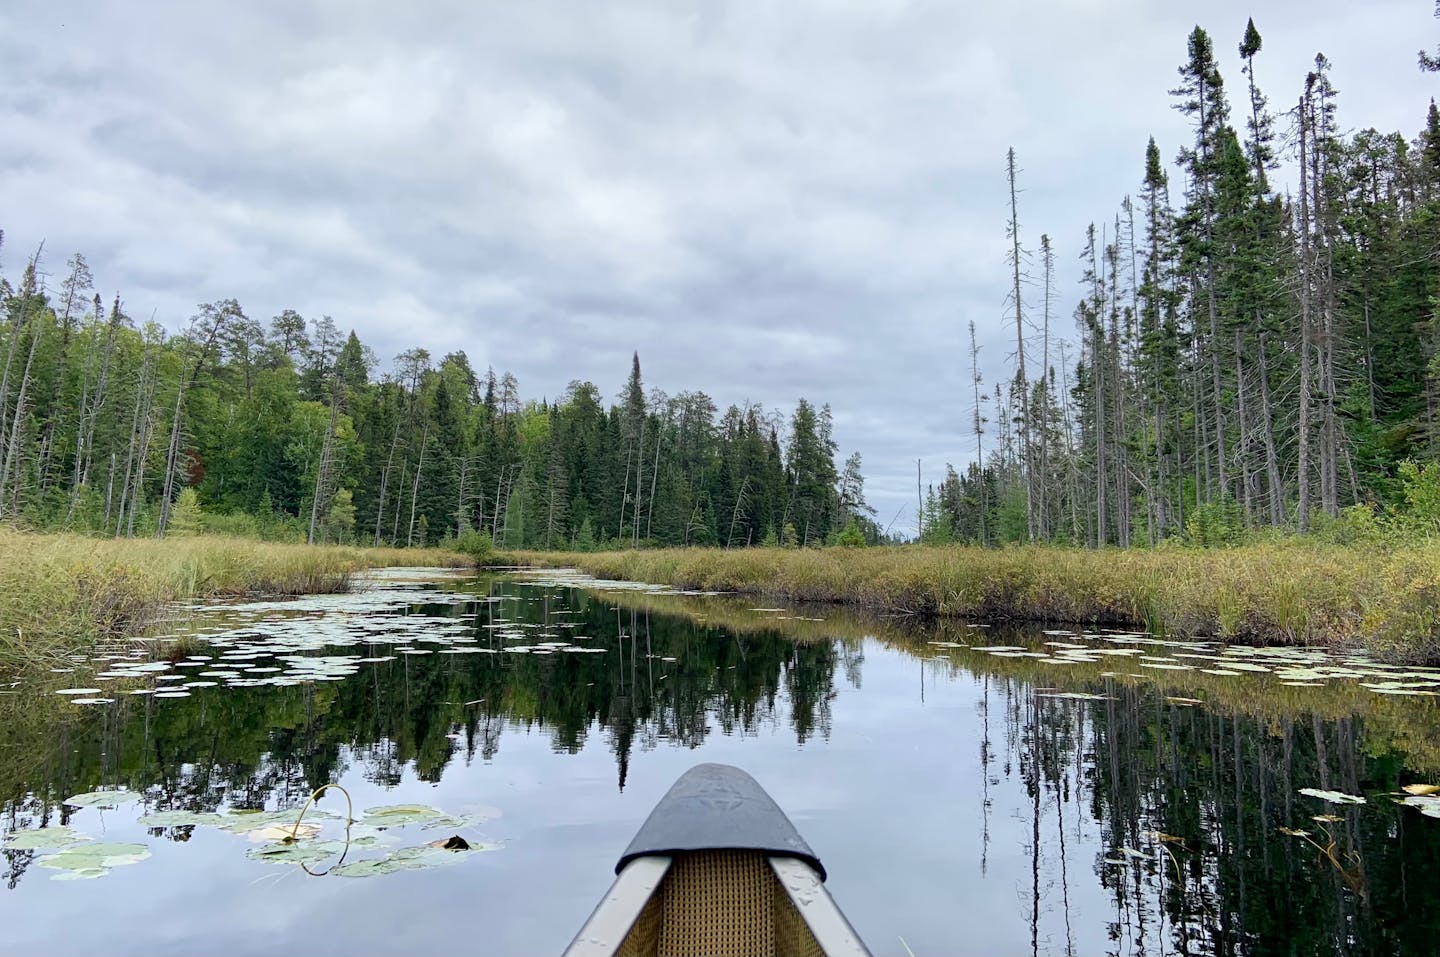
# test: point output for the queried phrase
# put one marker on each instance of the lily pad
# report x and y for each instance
(102, 798)
(83, 874)
(409, 859)
(1333, 797)
(398, 815)
(284, 832)
(47, 838)
(83, 858)
(181, 819)
(245, 822)
(298, 852)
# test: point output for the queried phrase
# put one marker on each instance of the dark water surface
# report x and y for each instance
(964, 801)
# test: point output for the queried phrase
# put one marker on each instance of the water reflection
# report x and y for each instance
(1144, 824)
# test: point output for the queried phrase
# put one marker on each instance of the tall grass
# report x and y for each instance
(1294, 592)
(59, 593)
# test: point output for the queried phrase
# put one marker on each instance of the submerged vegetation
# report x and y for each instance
(1291, 592)
(60, 593)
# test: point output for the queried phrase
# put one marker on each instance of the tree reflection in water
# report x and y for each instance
(1174, 809)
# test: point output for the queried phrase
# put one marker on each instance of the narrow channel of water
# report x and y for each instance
(971, 790)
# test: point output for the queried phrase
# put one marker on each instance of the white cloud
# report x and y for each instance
(764, 200)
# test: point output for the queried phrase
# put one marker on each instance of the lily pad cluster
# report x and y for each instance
(321, 838)
(564, 578)
(296, 641)
(1136, 655)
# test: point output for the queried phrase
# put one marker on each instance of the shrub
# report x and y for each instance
(475, 544)
(1421, 488)
(1216, 523)
(851, 537)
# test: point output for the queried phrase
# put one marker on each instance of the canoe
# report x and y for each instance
(717, 870)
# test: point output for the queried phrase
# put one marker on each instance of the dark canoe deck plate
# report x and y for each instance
(715, 807)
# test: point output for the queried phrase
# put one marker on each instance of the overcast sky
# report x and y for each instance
(766, 200)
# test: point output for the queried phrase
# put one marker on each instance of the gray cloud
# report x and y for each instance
(765, 201)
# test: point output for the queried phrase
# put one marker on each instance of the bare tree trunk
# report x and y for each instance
(978, 426)
(1098, 367)
(415, 489)
(399, 503)
(12, 448)
(624, 495)
(1045, 526)
(1024, 386)
(735, 513)
(172, 462)
(28, 292)
(1242, 443)
(109, 491)
(1121, 466)
(461, 519)
(639, 487)
(385, 480)
(654, 478)
(1072, 470)
(90, 407)
(1267, 434)
(135, 426)
(495, 514)
(142, 431)
(322, 476)
(1303, 518)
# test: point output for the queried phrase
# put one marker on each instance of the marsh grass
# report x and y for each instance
(1386, 598)
(61, 593)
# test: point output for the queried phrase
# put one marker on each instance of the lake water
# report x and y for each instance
(971, 790)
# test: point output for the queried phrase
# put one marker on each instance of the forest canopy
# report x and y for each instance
(285, 430)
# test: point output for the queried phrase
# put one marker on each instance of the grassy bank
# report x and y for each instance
(1385, 598)
(59, 593)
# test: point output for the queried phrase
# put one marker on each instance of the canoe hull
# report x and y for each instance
(717, 870)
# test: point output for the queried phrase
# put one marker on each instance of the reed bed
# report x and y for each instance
(60, 593)
(1384, 598)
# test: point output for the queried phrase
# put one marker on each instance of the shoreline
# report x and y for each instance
(1385, 601)
(60, 593)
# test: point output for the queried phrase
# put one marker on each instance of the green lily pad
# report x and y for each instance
(84, 874)
(181, 819)
(248, 821)
(47, 838)
(408, 859)
(90, 857)
(398, 815)
(102, 798)
(297, 852)
(1333, 797)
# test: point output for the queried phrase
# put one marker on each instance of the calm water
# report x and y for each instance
(965, 802)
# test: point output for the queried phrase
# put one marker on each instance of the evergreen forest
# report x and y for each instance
(285, 431)
(1243, 356)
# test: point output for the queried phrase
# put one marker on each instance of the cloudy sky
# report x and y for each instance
(766, 200)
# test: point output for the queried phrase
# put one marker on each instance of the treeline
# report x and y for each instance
(1245, 358)
(285, 431)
